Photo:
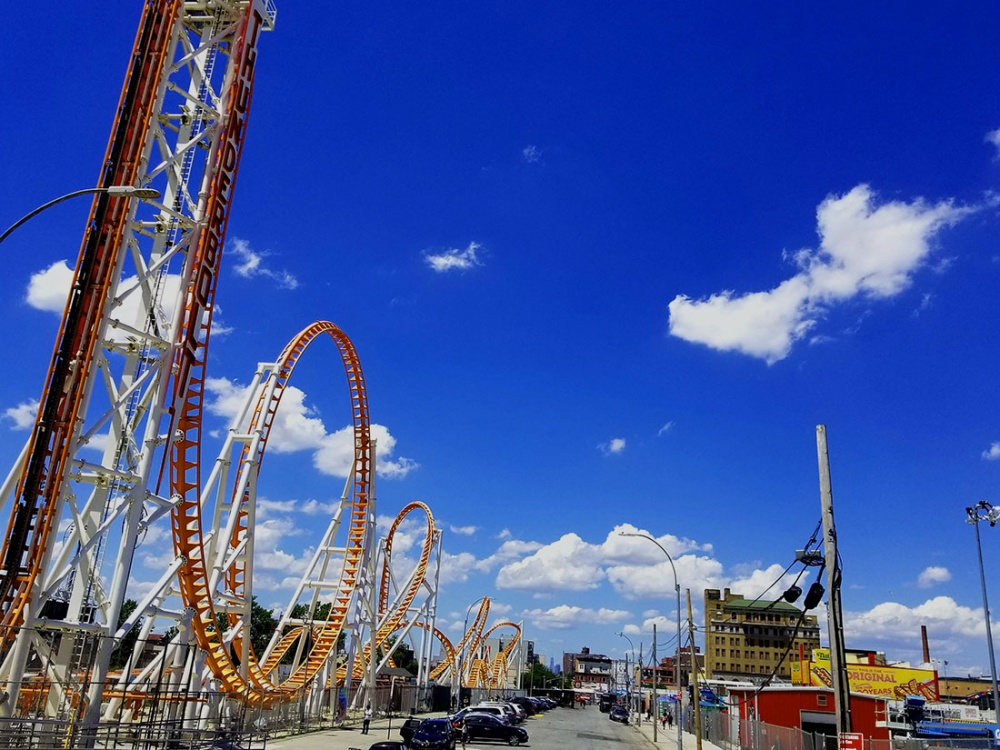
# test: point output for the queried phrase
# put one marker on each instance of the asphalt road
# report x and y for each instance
(579, 729)
(557, 729)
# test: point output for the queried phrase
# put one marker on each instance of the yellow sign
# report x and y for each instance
(887, 682)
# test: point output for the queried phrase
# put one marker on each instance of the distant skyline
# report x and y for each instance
(607, 267)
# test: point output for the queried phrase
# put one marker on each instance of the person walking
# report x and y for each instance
(463, 732)
(367, 720)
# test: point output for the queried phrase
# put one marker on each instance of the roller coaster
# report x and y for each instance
(128, 378)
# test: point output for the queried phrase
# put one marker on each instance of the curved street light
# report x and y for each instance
(984, 511)
(628, 688)
(677, 664)
(123, 191)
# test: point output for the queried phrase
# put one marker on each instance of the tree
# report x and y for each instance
(538, 676)
(262, 625)
(123, 651)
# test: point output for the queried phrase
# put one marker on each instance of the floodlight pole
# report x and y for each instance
(974, 517)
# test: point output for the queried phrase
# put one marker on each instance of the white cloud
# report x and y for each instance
(666, 428)
(462, 530)
(250, 264)
(531, 154)
(511, 549)
(297, 427)
(48, 288)
(565, 617)
(932, 576)
(994, 137)
(454, 259)
(456, 568)
(22, 415)
(952, 628)
(568, 564)
(612, 447)
(866, 250)
(993, 452)
(635, 567)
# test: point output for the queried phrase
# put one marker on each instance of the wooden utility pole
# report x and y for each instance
(694, 676)
(838, 660)
(656, 678)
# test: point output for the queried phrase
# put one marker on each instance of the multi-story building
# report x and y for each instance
(749, 639)
(590, 671)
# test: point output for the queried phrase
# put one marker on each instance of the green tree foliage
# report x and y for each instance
(262, 625)
(404, 658)
(538, 676)
(123, 651)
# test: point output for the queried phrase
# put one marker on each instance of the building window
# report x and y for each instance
(820, 700)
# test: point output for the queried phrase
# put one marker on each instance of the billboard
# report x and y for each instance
(886, 682)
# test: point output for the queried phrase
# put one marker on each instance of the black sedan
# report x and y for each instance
(488, 727)
(618, 713)
(434, 734)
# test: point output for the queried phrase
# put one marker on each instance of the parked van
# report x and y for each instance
(497, 709)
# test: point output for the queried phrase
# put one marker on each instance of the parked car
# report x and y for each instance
(456, 719)
(406, 731)
(487, 727)
(618, 713)
(527, 704)
(388, 745)
(505, 712)
(434, 734)
(515, 713)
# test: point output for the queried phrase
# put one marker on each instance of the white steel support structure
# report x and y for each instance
(68, 558)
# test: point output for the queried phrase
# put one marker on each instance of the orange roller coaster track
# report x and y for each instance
(195, 575)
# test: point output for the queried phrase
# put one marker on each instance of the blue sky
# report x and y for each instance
(607, 267)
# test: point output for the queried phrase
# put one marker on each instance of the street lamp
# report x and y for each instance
(677, 664)
(984, 511)
(122, 191)
(628, 686)
(465, 630)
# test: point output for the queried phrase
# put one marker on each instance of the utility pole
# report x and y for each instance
(656, 679)
(696, 692)
(838, 662)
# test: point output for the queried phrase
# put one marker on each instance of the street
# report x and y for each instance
(558, 729)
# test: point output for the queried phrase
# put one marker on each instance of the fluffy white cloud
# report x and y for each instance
(462, 530)
(531, 154)
(993, 452)
(865, 250)
(994, 137)
(569, 564)
(22, 415)
(511, 549)
(613, 446)
(456, 568)
(565, 617)
(48, 288)
(297, 427)
(666, 428)
(952, 629)
(932, 576)
(249, 263)
(454, 259)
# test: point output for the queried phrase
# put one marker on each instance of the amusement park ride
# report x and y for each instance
(128, 374)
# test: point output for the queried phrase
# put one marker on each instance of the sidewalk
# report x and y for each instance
(667, 740)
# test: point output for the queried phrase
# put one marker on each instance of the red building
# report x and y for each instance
(808, 708)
